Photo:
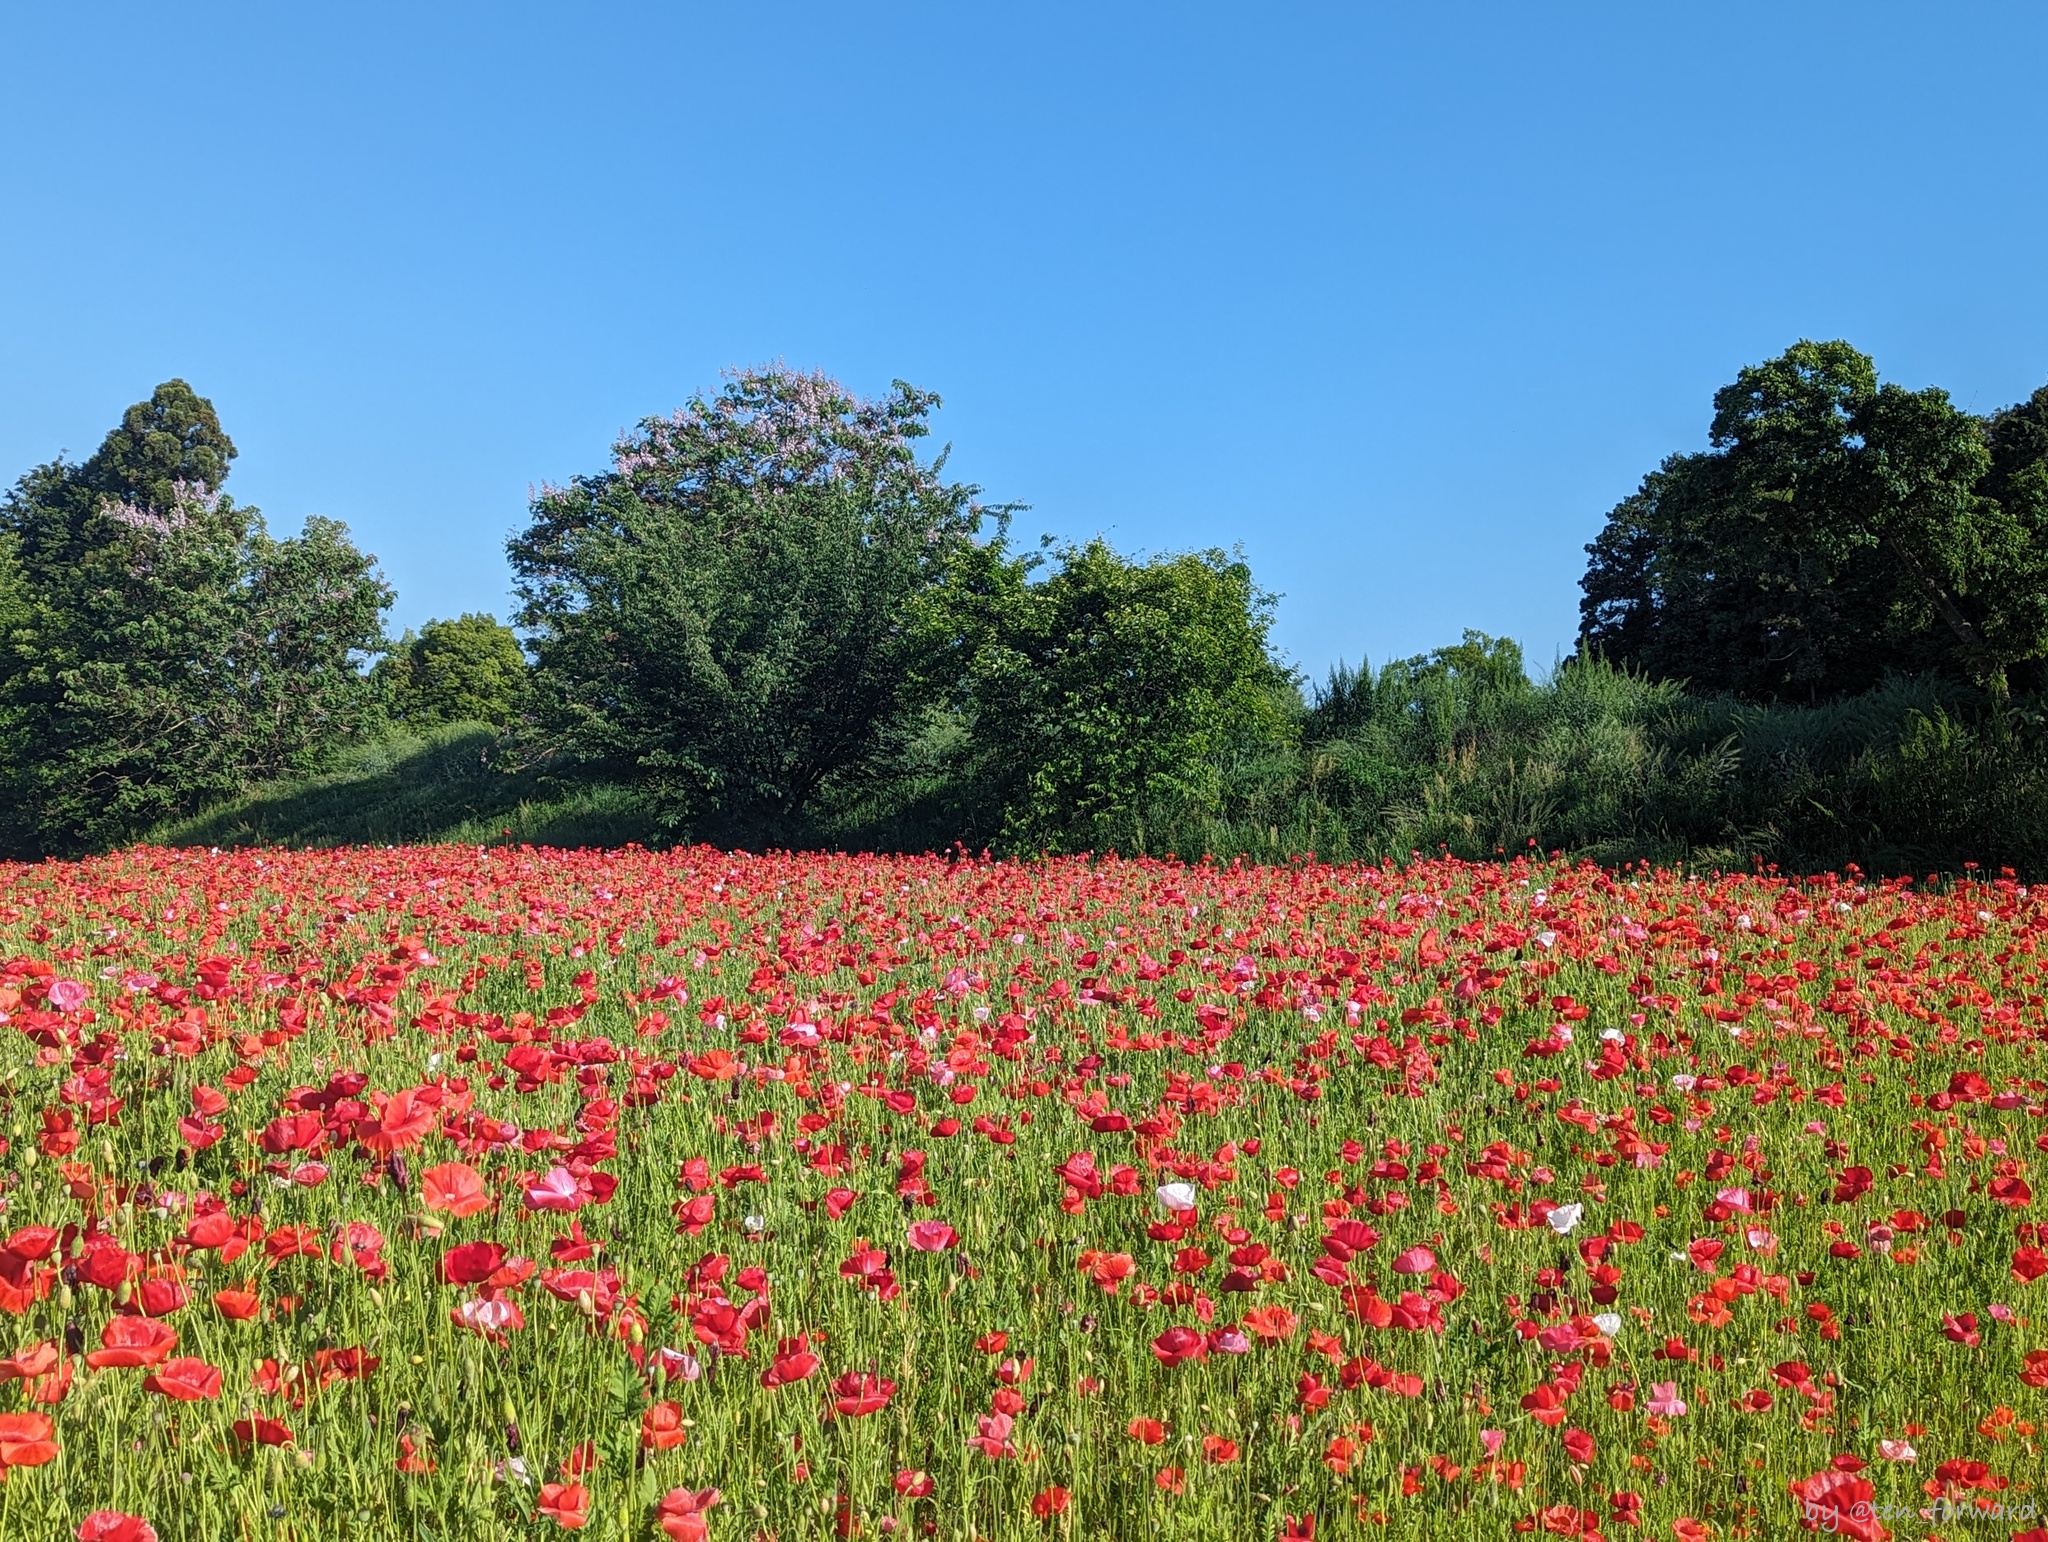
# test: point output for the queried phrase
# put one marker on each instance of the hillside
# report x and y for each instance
(440, 786)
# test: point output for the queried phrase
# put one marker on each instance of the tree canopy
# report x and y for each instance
(469, 670)
(1838, 529)
(1104, 687)
(720, 616)
(160, 647)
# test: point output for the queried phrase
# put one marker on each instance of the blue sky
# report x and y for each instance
(1399, 299)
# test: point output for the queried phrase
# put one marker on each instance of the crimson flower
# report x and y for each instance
(115, 1526)
(260, 1431)
(1840, 1504)
(133, 1341)
(186, 1379)
(858, 1393)
(1178, 1345)
(793, 1361)
(661, 1427)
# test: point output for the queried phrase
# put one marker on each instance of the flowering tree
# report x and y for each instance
(159, 648)
(720, 616)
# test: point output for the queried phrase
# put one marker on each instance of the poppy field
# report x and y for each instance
(462, 1194)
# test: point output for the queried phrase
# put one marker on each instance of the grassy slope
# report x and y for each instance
(436, 786)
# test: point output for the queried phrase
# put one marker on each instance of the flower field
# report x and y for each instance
(462, 1194)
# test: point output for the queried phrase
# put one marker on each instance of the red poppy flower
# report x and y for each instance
(858, 1393)
(133, 1341)
(793, 1361)
(472, 1263)
(1272, 1323)
(115, 1526)
(1839, 1504)
(25, 1440)
(1178, 1346)
(661, 1427)
(404, 1121)
(31, 1362)
(236, 1304)
(261, 1431)
(566, 1504)
(186, 1379)
(684, 1515)
(456, 1188)
(412, 1457)
(1048, 1502)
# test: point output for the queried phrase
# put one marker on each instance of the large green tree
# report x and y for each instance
(1837, 530)
(160, 647)
(469, 670)
(1103, 688)
(720, 616)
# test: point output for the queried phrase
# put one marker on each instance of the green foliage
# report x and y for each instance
(720, 618)
(469, 670)
(455, 784)
(1838, 531)
(1108, 685)
(1460, 751)
(161, 648)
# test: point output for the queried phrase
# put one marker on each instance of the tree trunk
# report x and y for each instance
(1983, 662)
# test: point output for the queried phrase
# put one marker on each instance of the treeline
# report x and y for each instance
(774, 620)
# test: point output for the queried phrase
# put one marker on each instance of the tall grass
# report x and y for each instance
(1462, 751)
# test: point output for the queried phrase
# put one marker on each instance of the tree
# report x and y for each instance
(1104, 688)
(1839, 529)
(161, 649)
(469, 670)
(720, 617)
(2018, 483)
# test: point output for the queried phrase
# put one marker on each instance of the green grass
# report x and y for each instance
(447, 785)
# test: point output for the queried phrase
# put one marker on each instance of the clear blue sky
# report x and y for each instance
(1399, 298)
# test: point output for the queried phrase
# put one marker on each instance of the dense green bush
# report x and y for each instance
(1460, 751)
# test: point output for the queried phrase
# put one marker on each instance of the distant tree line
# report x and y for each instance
(774, 619)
